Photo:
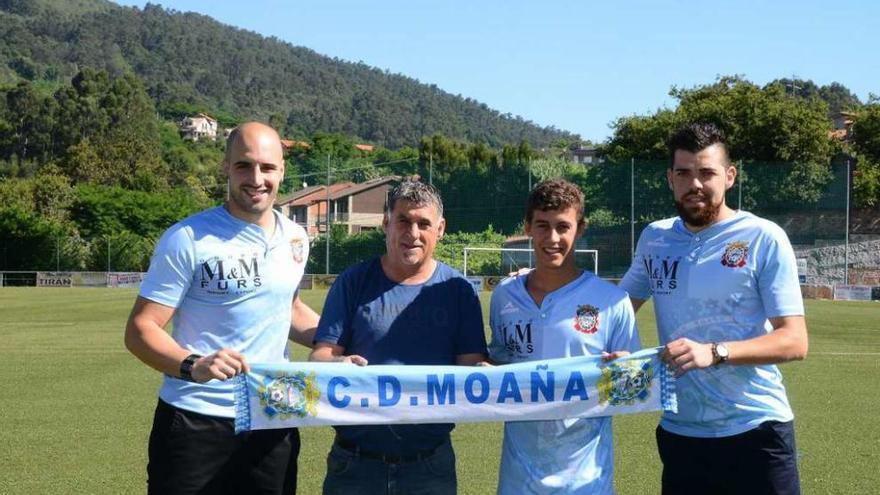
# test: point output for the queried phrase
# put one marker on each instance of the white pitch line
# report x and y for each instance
(844, 353)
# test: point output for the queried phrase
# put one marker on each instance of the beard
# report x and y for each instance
(699, 217)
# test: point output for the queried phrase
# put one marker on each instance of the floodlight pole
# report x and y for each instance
(327, 213)
(431, 168)
(846, 234)
(529, 192)
(632, 207)
(739, 178)
(57, 254)
(108, 254)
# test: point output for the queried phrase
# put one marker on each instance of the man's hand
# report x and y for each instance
(354, 359)
(611, 356)
(326, 352)
(222, 365)
(683, 355)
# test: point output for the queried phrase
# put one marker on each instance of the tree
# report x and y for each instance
(866, 148)
(780, 139)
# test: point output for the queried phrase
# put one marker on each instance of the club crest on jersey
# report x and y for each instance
(735, 254)
(296, 247)
(587, 319)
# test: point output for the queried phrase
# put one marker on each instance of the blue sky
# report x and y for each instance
(577, 65)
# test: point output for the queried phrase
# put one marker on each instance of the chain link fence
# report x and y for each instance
(484, 207)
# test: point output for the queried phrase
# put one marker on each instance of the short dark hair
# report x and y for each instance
(415, 192)
(696, 137)
(555, 195)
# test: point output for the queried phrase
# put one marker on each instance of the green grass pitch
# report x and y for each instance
(75, 406)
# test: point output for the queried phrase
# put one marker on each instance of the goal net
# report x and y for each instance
(490, 261)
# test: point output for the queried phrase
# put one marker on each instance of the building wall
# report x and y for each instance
(370, 201)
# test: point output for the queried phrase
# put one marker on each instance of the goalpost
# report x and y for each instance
(526, 261)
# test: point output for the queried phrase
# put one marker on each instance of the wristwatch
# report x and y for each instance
(720, 353)
(186, 367)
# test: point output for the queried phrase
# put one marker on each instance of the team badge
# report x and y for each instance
(625, 383)
(288, 395)
(297, 248)
(587, 319)
(735, 255)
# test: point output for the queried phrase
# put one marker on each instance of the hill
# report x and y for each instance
(191, 62)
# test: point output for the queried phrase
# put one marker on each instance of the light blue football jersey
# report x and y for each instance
(719, 284)
(232, 288)
(584, 317)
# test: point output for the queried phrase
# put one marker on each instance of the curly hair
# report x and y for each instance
(553, 195)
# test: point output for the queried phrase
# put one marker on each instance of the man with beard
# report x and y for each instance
(728, 309)
(228, 278)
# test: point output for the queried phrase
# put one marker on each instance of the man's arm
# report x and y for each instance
(637, 303)
(332, 353)
(303, 323)
(471, 359)
(146, 338)
(787, 342)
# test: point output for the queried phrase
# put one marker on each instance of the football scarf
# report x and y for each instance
(300, 394)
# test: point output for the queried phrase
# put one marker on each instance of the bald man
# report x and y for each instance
(223, 276)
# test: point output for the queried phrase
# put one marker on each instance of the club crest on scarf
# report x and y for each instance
(587, 319)
(735, 254)
(289, 395)
(625, 383)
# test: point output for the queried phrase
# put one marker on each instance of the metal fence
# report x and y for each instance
(484, 206)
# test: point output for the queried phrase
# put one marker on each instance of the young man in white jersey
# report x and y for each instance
(227, 277)
(728, 308)
(558, 310)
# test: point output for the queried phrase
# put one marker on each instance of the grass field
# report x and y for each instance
(75, 407)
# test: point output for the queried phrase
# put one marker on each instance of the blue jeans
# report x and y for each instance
(352, 473)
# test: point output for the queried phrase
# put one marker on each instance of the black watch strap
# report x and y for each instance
(186, 367)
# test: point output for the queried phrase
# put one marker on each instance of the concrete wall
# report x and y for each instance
(825, 265)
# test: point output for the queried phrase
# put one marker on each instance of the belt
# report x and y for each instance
(354, 449)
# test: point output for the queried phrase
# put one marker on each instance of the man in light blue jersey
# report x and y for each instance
(728, 308)
(227, 277)
(558, 310)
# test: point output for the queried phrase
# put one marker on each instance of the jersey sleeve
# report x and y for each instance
(171, 268)
(636, 282)
(624, 332)
(471, 336)
(334, 327)
(777, 276)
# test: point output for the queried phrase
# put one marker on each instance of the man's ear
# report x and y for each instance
(581, 228)
(731, 173)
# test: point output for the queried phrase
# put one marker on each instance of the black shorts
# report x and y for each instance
(759, 461)
(195, 453)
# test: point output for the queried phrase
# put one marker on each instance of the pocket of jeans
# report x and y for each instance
(442, 464)
(337, 464)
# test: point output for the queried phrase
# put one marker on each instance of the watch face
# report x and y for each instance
(722, 351)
